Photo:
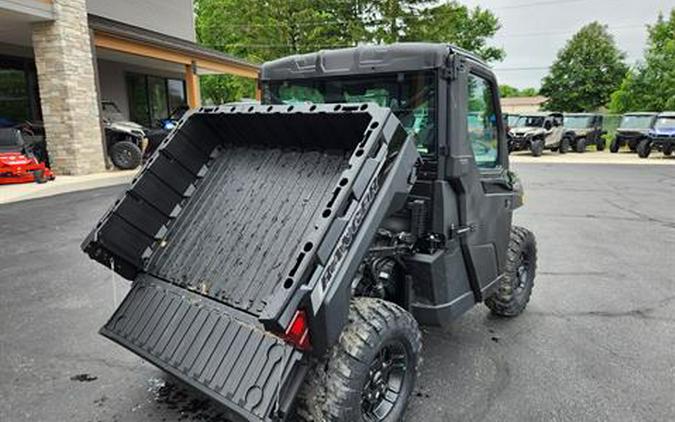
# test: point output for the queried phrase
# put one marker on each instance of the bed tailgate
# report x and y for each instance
(222, 352)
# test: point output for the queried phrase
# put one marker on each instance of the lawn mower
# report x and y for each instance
(19, 161)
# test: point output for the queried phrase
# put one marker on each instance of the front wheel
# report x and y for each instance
(537, 147)
(125, 155)
(632, 145)
(644, 148)
(515, 288)
(370, 373)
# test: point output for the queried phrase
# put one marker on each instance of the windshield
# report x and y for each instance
(577, 122)
(512, 120)
(665, 122)
(111, 113)
(530, 121)
(636, 122)
(411, 96)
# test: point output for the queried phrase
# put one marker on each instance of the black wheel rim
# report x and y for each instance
(124, 157)
(522, 278)
(385, 382)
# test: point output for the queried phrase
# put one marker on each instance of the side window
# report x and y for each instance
(482, 123)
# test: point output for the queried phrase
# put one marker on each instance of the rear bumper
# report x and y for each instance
(220, 351)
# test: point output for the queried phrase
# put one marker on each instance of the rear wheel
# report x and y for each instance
(537, 147)
(632, 145)
(125, 155)
(644, 148)
(614, 145)
(668, 150)
(515, 289)
(370, 373)
(39, 176)
(580, 145)
(600, 144)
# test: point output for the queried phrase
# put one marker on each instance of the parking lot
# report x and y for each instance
(595, 344)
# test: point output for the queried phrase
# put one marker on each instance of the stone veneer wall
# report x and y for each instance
(70, 109)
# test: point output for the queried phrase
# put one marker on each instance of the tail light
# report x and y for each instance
(297, 332)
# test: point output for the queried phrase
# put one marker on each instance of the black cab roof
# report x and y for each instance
(363, 59)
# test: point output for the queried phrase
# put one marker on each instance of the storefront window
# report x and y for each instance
(19, 99)
(176, 94)
(153, 98)
(139, 109)
(14, 101)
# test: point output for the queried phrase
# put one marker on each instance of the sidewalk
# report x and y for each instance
(591, 157)
(63, 184)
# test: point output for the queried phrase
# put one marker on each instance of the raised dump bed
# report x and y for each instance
(245, 218)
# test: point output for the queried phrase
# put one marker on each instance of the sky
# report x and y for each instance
(534, 30)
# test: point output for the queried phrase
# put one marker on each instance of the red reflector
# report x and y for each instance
(297, 332)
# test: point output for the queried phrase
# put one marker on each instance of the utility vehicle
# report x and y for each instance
(125, 140)
(660, 137)
(634, 127)
(537, 132)
(283, 254)
(582, 129)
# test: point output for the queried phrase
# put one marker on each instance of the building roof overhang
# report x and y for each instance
(131, 39)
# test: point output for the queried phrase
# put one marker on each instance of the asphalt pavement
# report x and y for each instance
(596, 343)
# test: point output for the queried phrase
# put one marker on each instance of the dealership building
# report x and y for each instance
(60, 58)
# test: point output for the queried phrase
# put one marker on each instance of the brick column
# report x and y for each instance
(63, 57)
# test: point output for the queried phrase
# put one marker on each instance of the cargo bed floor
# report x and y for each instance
(246, 221)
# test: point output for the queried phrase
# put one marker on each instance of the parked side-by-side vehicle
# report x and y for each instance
(661, 136)
(128, 143)
(583, 129)
(634, 127)
(283, 255)
(537, 132)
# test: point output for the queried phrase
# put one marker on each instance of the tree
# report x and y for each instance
(528, 92)
(586, 71)
(651, 85)
(509, 91)
(452, 22)
(261, 30)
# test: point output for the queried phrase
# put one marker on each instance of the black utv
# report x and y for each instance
(283, 255)
(634, 127)
(583, 129)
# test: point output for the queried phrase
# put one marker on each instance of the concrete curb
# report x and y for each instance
(63, 184)
(591, 157)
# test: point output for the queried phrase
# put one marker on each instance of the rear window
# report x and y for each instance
(411, 96)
